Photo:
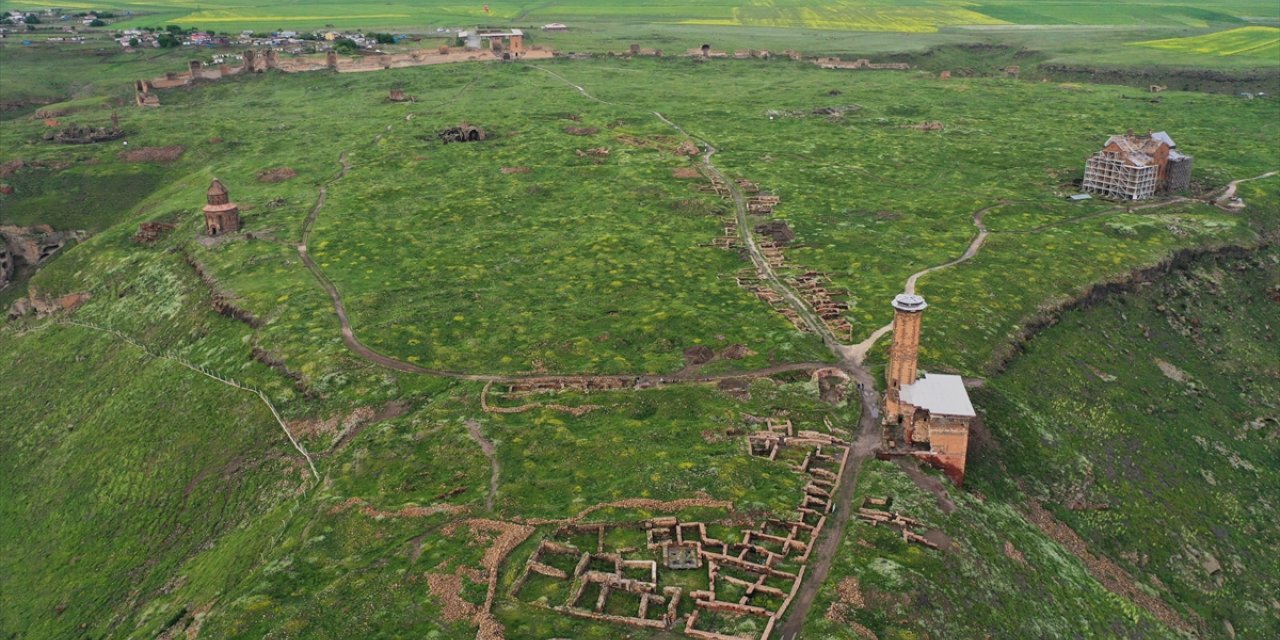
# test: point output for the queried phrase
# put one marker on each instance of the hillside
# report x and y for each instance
(1162, 469)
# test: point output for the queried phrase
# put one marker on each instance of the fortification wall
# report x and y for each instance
(257, 62)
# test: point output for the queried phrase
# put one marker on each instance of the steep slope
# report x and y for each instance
(1157, 439)
(125, 478)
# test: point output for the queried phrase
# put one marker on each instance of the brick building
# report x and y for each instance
(221, 216)
(1131, 167)
(925, 416)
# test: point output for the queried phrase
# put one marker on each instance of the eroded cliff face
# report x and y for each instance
(29, 246)
(6, 265)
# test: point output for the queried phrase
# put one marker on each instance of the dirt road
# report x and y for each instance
(867, 433)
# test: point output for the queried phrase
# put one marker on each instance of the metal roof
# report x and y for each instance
(940, 393)
(1164, 137)
(909, 302)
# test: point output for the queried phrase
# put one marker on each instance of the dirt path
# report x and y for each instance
(1113, 577)
(766, 272)
(867, 436)
(974, 247)
(490, 452)
(828, 545)
(858, 352)
(582, 90)
(1230, 191)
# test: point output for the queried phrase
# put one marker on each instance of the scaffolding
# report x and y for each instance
(1111, 175)
(1131, 167)
(1178, 176)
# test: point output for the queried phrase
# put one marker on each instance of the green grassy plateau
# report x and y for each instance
(201, 449)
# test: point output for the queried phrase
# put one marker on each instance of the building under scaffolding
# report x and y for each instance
(1131, 167)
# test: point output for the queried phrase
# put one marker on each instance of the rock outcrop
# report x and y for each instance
(29, 246)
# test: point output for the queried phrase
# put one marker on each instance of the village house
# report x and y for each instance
(926, 416)
(1132, 167)
(509, 42)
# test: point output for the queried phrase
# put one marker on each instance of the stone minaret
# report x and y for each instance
(905, 349)
(221, 215)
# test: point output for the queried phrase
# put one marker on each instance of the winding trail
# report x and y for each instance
(1231, 187)
(859, 351)
(582, 90)
(969, 253)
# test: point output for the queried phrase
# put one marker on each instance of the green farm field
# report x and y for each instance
(1260, 42)
(878, 15)
(321, 427)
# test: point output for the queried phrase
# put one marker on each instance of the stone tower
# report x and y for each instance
(221, 216)
(905, 349)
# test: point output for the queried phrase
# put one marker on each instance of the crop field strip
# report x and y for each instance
(1260, 42)
(844, 15)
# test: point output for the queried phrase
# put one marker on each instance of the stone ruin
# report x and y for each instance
(398, 95)
(778, 231)
(142, 95)
(149, 232)
(197, 71)
(634, 49)
(828, 303)
(598, 153)
(926, 417)
(44, 306)
(775, 235)
(859, 64)
(76, 134)
(462, 133)
(606, 573)
(762, 205)
(755, 576)
(585, 384)
(877, 517)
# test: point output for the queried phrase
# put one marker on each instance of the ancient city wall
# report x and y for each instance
(261, 61)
